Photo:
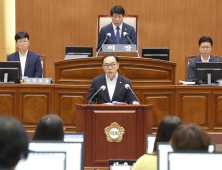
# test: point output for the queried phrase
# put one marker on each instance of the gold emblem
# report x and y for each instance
(114, 132)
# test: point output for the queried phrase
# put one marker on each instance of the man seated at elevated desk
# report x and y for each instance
(112, 84)
(30, 62)
(116, 29)
(205, 45)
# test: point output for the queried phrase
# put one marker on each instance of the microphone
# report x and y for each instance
(127, 86)
(107, 36)
(127, 36)
(101, 88)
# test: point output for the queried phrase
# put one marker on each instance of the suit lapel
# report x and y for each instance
(211, 59)
(17, 58)
(199, 59)
(103, 82)
(112, 33)
(28, 59)
(119, 83)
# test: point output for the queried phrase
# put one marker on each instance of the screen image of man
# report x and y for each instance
(30, 62)
(205, 46)
(113, 82)
(116, 29)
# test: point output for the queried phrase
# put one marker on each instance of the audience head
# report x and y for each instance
(166, 129)
(13, 142)
(21, 35)
(190, 137)
(117, 13)
(50, 127)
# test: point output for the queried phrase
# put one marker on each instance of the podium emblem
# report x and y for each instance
(114, 132)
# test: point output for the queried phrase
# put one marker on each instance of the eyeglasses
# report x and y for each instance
(112, 65)
(24, 42)
(207, 47)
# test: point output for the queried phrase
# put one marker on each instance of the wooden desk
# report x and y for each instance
(201, 105)
(28, 103)
(193, 104)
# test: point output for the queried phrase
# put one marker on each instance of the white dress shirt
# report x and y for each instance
(120, 29)
(23, 61)
(111, 85)
(202, 60)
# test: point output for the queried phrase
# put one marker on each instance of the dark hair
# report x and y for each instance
(20, 35)
(13, 142)
(205, 39)
(110, 55)
(117, 10)
(190, 137)
(50, 127)
(166, 129)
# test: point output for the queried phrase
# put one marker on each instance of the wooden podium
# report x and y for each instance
(136, 120)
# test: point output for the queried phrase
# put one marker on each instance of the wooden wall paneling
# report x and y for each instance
(8, 102)
(36, 103)
(65, 99)
(141, 71)
(163, 100)
(175, 24)
(217, 112)
(194, 105)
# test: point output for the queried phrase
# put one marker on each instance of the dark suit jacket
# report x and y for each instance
(191, 67)
(120, 94)
(33, 67)
(112, 40)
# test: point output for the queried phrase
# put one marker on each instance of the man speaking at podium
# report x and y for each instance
(116, 28)
(111, 87)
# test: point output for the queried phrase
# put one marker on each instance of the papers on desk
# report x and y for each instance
(186, 82)
(115, 102)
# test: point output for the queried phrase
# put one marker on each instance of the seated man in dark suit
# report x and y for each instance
(205, 45)
(115, 84)
(13, 143)
(30, 62)
(116, 28)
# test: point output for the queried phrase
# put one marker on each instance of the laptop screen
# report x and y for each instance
(162, 154)
(194, 160)
(74, 151)
(150, 140)
(43, 161)
(74, 137)
(121, 164)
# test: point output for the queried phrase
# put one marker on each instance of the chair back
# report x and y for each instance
(106, 19)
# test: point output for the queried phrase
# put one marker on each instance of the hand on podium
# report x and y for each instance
(136, 103)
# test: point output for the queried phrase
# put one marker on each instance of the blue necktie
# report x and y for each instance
(117, 35)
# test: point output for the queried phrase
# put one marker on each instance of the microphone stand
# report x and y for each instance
(107, 36)
(126, 35)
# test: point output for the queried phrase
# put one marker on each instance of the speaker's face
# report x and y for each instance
(110, 66)
(22, 44)
(205, 49)
(117, 19)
